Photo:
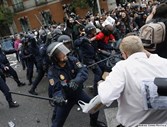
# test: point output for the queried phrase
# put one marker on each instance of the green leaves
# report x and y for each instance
(6, 16)
(80, 3)
(85, 4)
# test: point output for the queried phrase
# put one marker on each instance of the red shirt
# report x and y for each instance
(101, 36)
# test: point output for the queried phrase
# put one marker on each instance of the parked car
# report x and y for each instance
(7, 46)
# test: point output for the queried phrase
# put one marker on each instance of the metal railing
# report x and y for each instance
(17, 7)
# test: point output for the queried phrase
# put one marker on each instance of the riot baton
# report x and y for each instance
(91, 65)
(98, 62)
(33, 96)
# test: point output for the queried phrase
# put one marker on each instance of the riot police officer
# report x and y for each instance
(5, 90)
(68, 42)
(88, 51)
(27, 56)
(7, 69)
(42, 60)
(66, 77)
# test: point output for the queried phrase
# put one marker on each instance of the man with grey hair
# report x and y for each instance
(124, 84)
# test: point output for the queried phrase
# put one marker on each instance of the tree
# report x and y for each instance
(6, 16)
(6, 19)
(79, 3)
(93, 5)
(85, 4)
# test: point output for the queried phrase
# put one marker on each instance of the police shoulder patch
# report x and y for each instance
(79, 65)
(62, 77)
(51, 82)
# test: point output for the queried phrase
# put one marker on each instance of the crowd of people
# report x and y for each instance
(65, 52)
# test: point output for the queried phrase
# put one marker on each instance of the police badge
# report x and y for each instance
(62, 77)
(51, 82)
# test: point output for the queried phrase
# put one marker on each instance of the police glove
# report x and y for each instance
(73, 85)
(59, 100)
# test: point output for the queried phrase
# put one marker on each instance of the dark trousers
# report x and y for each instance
(97, 73)
(23, 63)
(97, 77)
(38, 78)
(17, 56)
(30, 66)
(13, 73)
(5, 90)
(61, 112)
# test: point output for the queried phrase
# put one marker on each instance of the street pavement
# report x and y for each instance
(36, 112)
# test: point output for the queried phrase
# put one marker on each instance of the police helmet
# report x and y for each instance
(56, 31)
(55, 48)
(66, 40)
(42, 35)
(89, 27)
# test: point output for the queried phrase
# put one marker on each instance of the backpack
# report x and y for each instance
(152, 33)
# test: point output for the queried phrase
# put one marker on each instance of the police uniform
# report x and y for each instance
(27, 56)
(3, 63)
(89, 53)
(41, 72)
(59, 78)
(5, 90)
(66, 78)
(89, 57)
(43, 63)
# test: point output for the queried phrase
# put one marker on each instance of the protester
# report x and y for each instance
(124, 83)
(158, 14)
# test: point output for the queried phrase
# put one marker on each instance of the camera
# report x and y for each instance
(64, 6)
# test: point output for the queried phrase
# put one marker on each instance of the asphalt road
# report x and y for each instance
(35, 112)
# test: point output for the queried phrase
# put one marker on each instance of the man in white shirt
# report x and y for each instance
(124, 84)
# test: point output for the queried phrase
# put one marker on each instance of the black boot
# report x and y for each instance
(97, 124)
(21, 84)
(13, 104)
(31, 91)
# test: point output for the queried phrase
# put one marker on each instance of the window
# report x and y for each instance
(46, 17)
(40, 2)
(17, 1)
(24, 22)
(18, 5)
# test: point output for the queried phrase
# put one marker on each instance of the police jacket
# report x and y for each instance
(87, 48)
(26, 54)
(35, 51)
(59, 77)
(3, 60)
(45, 58)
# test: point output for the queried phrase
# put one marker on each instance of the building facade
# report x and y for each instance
(31, 14)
